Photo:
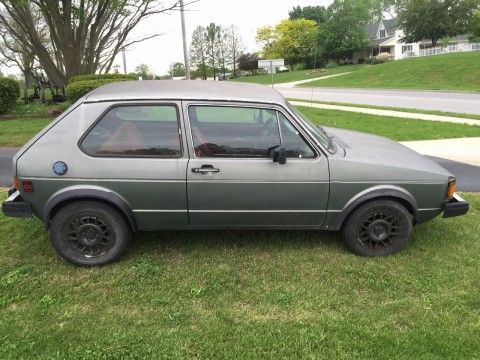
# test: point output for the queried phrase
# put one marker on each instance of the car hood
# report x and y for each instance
(383, 159)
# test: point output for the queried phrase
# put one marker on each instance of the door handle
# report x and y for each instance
(205, 169)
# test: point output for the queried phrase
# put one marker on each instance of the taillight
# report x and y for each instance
(451, 187)
(27, 186)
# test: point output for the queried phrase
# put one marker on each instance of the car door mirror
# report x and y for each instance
(280, 155)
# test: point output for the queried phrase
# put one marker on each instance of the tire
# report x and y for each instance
(378, 228)
(89, 233)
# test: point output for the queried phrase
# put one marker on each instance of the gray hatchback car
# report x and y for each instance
(152, 155)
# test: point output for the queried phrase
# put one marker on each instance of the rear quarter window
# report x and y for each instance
(137, 131)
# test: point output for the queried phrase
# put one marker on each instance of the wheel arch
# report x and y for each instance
(390, 192)
(85, 192)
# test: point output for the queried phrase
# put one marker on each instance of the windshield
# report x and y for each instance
(317, 131)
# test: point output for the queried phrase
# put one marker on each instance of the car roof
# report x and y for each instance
(185, 90)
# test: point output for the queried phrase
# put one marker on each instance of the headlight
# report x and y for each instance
(451, 188)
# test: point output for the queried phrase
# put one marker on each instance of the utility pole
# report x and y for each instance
(184, 35)
(124, 58)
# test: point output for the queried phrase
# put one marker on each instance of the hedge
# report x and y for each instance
(9, 93)
(81, 88)
(102, 77)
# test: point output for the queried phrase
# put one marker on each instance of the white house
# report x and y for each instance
(386, 36)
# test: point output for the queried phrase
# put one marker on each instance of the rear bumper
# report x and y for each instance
(455, 207)
(14, 206)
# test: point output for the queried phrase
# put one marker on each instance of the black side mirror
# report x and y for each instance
(280, 155)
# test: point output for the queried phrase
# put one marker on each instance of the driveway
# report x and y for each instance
(466, 103)
(467, 175)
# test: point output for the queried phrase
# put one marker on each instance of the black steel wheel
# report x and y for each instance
(380, 227)
(89, 233)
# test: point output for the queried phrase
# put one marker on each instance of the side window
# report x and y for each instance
(136, 130)
(292, 141)
(228, 131)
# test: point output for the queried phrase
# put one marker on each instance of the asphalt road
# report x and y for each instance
(467, 103)
(468, 176)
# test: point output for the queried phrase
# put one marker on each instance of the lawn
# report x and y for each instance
(297, 75)
(419, 111)
(395, 128)
(15, 133)
(458, 72)
(243, 294)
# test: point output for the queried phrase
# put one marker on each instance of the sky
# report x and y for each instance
(247, 15)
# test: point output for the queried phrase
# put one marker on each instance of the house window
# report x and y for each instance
(407, 48)
(382, 33)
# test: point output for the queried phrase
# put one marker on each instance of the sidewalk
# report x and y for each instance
(464, 150)
(391, 113)
(292, 84)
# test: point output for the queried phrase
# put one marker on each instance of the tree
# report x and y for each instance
(235, 46)
(292, 40)
(213, 39)
(144, 71)
(248, 61)
(177, 69)
(83, 36)
(475, 27)
(223, 51)
(198, 51)
(315, 13)
(266, 37)
(343, 33)
(13, 53)
(435, 19)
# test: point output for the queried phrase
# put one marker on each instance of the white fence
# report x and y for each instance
(452, 48)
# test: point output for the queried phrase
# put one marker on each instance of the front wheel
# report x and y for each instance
(89, 233)
(377, 228)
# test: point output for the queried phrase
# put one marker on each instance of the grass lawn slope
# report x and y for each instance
(297, 75)
(244, 295)
(458, 72)
(394, 128)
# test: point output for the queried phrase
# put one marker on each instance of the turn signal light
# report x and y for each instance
(27, 186)
(451, 188)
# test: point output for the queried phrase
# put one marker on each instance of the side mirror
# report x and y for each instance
(280, 155)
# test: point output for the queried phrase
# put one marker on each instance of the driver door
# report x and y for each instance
(231, 178)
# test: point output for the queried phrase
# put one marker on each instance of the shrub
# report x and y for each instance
(9, 93)
(102, 77)
(81, 88)
(383, 57)
(299, 66)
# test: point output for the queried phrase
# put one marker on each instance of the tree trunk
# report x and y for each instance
(234, 66)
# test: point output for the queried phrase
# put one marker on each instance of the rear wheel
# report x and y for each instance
(89, 233)
(377, 228)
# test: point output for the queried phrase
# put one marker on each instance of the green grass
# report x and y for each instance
(395, 128)
(36, 109)
(418, 111)
(297, 75)
(15, 133)
(244, 295)
(457, 72)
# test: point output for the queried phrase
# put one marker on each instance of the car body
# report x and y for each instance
(198, 155)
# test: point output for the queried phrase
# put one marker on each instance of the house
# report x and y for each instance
(385, 36)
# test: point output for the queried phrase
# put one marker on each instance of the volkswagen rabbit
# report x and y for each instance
(155, 155)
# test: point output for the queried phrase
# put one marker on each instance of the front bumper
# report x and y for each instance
(455, 207)
(14, 206)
